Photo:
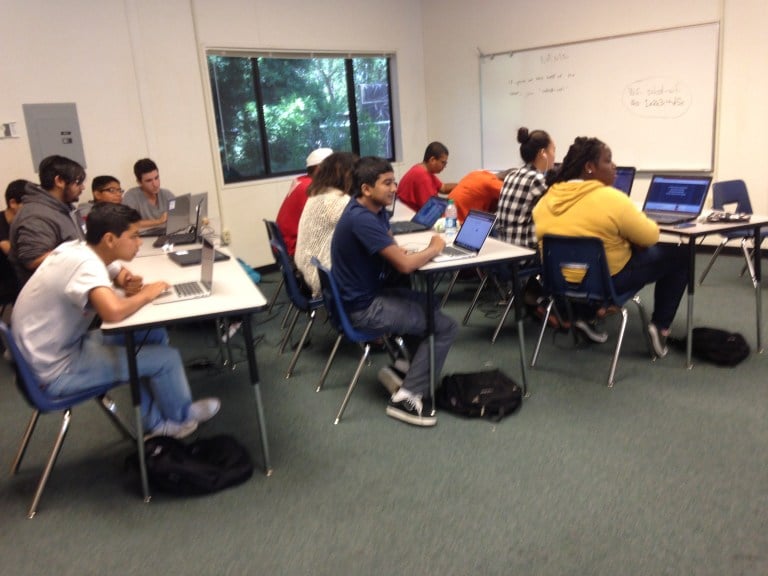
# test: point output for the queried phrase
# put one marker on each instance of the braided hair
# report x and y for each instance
(582, 150)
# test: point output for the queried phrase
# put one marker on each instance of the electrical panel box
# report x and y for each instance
(54, 129)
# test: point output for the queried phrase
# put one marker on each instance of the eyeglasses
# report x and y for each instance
(113, 190)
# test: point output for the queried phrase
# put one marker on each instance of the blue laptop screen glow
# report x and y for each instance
(676, 194)
(625, 176)
(430, 212)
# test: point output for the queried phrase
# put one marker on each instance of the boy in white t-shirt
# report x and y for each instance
(58, 304)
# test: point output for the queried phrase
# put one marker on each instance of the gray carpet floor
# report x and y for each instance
(663, 474)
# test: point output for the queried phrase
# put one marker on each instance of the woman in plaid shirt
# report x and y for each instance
(523, 187)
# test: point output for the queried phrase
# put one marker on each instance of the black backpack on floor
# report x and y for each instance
(489, 394)
(715, 345)
(204, 466)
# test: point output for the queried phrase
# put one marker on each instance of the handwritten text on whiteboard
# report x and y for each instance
(657, 98)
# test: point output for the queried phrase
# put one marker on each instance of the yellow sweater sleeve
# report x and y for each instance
(636, 227)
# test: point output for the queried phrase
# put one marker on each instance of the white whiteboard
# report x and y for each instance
(651, 97)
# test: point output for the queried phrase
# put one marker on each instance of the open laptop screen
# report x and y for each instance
(432, 210)
(198, 211)
(476, 228)
(681, 194)
(178, 215)
(625, 176)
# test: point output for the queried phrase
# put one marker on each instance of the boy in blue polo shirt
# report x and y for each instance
(363, 254)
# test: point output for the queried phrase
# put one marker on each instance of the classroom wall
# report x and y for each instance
(455, 35)
(133, 67)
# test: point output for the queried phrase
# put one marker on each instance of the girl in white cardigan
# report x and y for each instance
(328, 194)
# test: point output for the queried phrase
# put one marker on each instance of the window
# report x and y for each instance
(271, 111)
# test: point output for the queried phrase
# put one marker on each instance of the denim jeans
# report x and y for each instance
(402, 312)
(103, 360)
(665, 264)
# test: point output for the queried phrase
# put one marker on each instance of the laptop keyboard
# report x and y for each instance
(185, 238)
(453, 251)
(668, 218)
(188, 289)
(403, 227)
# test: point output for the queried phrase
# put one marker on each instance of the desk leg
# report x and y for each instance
(518, 298)
(133, 373)
(691, 287)
(253, 370)
(431, 336)
(757, 281)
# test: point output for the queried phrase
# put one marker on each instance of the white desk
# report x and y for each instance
(493, 252)
(147, 249)
(234, 294)
(700, 230)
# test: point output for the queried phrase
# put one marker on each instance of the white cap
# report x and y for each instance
(317, 156)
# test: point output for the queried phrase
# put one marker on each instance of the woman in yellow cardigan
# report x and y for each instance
(581, 201)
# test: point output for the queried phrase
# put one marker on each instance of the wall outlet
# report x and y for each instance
(226, 236)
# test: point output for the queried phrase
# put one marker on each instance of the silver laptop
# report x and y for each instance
(178, 214)
(178, 218)
(184, 216)
(391, 208)
(471, 237)
(196, 289)
(198, 212)
(676, 199)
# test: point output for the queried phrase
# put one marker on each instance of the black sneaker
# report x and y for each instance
(409, 408)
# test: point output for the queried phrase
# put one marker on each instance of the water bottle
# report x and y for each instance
(450, 222)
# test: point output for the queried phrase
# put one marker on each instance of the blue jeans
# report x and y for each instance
(665, 264)
(400, 311)
(103, 360)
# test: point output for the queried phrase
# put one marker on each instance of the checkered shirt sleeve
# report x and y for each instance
(519, 194)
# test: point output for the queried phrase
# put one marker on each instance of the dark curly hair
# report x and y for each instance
(582, 150)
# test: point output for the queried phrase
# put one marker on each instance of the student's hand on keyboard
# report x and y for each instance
(437, 242)
(156, 289)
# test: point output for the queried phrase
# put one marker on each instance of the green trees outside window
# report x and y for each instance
(272, 111)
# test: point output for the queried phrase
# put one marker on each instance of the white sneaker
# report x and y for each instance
(233, 328)
(173, 429)
(409, 408)
(590, 332)
(203, 410)
(658, 341)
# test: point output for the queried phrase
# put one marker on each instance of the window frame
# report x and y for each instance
(348, 57)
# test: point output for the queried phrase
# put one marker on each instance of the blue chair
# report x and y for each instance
(301, 304)
(42, 403)
(273, 232)
(338, 317)
(575, 270)
(524, 274)
(734, 192)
